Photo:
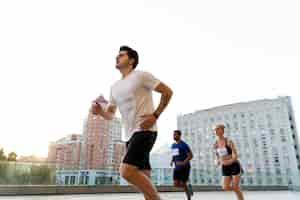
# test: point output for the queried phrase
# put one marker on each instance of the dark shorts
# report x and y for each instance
(232, 170)
(181, 174)
(138, 149)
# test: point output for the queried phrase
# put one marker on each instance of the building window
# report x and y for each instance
(242, 181)
(250, 180)
(258, 171)
(269, 180)
(227, 126)
(278, 172)
(87, 180)
(217, 181)
(252, 125)
(259, 181)
(283, 138)
(269, 124)
(72, 180)
(279, 180)
(67, 180)
(209, 181)
(81, 179)
(236, 126)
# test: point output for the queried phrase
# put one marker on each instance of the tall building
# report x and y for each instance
(265, 135)
(99, 142)
(162, 172)
(161, 158)
(65, 153)
(116, 147)
(119, 149)
(100, 154)
(93, 157)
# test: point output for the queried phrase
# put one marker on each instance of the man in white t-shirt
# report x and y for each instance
(132, 94)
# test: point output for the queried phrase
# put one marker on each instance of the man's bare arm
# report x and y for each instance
(108, 114)
(189, 157)
(166, 94)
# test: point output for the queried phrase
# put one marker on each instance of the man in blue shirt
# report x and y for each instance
(181, 156)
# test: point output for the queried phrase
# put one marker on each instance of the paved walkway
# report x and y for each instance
(280, 195)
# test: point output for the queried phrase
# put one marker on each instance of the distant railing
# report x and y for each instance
(57, 174)
(23, 173)
(47, 173)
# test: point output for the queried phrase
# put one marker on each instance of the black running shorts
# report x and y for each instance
(181, 174)
(138, 149)
(232, 170)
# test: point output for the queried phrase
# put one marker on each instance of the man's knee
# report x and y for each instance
(147, 173)
(236, 188)
(227, 188)
(178, 184)
(127, 171)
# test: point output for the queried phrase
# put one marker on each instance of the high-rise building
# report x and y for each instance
(100, 152)
(119, 149)
(265, 135)
(96, 154)
(65, 153)
(99, 142)
(116, 147)
(162, 172)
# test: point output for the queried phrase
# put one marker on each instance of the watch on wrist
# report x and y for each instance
(155, 115)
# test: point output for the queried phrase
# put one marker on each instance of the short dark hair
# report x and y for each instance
(132, 54)
(178, 132)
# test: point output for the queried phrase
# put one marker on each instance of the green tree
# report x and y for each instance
(12, 156)
(2, 155)
(3, 172)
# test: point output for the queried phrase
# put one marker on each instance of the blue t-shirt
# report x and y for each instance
(180, 153)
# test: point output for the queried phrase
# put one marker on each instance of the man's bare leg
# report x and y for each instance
(181, 184)
(148, 174)
(139, 179)
(186, 190)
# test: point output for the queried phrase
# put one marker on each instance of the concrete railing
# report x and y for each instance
(56, 190)
(295, 188)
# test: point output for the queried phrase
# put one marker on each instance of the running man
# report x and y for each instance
(181, 156)
(226, 155)
(132, 95)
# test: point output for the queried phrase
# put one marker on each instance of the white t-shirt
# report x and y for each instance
(133, 96)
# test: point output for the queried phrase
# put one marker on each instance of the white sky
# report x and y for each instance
(56, 56)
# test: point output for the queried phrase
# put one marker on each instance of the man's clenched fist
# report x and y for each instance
(96, 109)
